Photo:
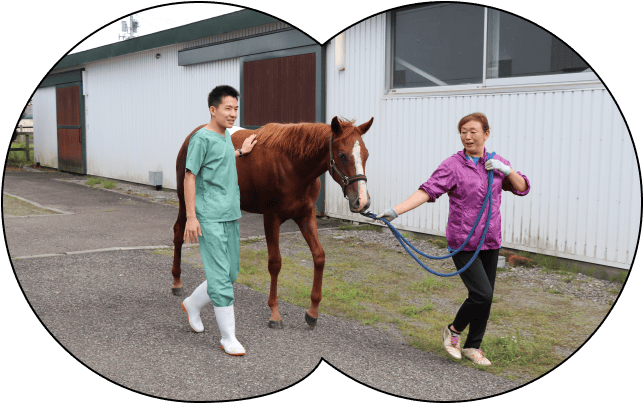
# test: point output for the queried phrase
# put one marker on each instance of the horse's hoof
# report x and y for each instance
(177, 290)
(310, 320)
(276, 324)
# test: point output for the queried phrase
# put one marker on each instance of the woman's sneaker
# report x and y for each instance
(451, 343)
(475, 355)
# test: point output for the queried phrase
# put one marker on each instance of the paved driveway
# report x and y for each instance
(115, 313)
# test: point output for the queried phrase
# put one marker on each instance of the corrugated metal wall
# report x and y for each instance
(573, 145)
(44, 123)
(139, 109)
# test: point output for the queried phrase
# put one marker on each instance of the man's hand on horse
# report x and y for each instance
(192, 231)
(389, 214)
(248, 144)
(495, 164)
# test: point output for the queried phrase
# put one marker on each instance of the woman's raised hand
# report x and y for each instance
(495, 164)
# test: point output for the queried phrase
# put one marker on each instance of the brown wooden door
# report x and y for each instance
(279, 90)
(69, 129)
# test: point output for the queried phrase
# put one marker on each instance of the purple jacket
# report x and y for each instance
(466, 184)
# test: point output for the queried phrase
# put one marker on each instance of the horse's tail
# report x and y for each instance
(180, 169)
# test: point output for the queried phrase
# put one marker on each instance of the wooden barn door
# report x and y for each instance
(279, 90)
(283, 88)
(69, 128)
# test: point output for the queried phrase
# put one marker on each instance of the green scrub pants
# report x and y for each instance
(220, 254)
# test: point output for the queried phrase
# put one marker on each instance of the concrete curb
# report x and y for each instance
(80, 252)
(125, 248)
(147, 199)
(37, 205)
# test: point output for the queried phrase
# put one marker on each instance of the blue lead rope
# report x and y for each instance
(488, 199)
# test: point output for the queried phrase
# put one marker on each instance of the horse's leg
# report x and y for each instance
(179, 230)
(271, 224)
(308, 227)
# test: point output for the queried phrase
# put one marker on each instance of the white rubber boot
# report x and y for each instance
(225, 319)
(193, 304)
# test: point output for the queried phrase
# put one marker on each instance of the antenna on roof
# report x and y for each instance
(130, 30)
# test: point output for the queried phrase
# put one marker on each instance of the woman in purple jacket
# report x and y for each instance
(463, 176)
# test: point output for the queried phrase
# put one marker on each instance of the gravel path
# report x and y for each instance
(579, 285)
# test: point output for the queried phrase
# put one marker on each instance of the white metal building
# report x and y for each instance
(550, 115)
(562, 130)
(130, 102)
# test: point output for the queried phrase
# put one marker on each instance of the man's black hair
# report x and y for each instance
(218, 93)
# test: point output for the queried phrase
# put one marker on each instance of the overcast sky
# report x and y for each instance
(154, 20)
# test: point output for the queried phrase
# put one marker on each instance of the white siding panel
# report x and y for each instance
(147, 106)
(44, 123)
(573, 145)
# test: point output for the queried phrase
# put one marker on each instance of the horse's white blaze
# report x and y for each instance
(359, 170)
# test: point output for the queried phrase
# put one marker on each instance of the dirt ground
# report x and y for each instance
(386, 289)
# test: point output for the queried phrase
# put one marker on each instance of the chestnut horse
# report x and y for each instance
(280, 179)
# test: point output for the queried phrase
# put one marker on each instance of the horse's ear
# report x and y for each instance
(365, 126)
(335, 127)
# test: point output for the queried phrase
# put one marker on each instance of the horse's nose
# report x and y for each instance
(357, 206)
(368, 204)
(354, 204)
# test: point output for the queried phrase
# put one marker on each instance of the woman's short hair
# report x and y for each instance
(478, 117)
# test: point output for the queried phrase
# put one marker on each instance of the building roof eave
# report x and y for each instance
(213, 26)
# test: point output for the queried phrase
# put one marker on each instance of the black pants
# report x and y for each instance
(479, 279)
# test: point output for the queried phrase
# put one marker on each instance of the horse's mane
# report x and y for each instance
(300, 140)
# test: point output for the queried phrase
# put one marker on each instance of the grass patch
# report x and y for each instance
(93, 182)
(100, 182)
(164, 252)
(568, 278)
(414, 311)
(548, 263)
(366, 227)
(621, 277)
(528, 328)
(251, 241)
(430, 283)
(439, 243)
(551, 264)
(520, 352)
(18, 158)
(20, 208)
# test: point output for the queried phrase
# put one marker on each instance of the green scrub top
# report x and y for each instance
(211, 158)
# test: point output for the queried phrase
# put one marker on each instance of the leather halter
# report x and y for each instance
(345, 180)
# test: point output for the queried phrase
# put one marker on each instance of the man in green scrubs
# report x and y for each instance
(212, 203)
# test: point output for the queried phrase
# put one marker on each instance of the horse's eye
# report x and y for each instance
(343, 157)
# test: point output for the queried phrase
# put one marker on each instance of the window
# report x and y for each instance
(444, 44)
(438, 45)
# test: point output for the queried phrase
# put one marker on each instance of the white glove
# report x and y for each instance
(389, 214)
(495, 164)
